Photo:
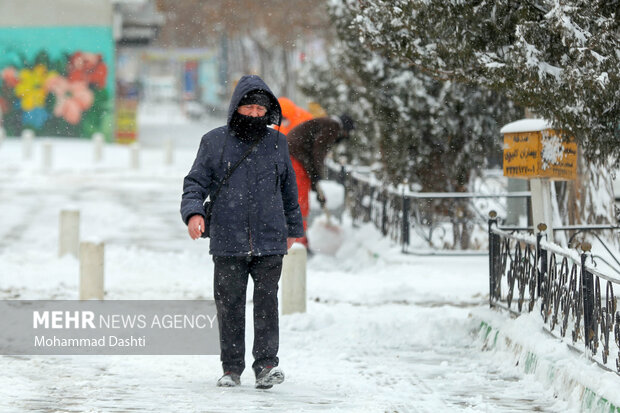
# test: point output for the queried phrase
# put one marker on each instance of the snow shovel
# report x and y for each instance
(325, 235)
(328, 223)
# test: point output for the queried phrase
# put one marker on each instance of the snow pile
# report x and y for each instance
(551, 362)
(326, 236)
(526, 125)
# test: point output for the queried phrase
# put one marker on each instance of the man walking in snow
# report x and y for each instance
(245, 169)
(309, 143)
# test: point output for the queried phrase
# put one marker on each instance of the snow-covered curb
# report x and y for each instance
(571, 381)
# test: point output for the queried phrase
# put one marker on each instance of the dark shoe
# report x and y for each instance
(229, 379)
(268, 377)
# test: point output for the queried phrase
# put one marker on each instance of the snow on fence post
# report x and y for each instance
(98, 147)
(46, 160)
(135, 155)
(169, 151)
(91, 270)
(294, 280)
(69, 232)
(27, 137)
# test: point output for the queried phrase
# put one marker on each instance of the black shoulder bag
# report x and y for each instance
(209, 204)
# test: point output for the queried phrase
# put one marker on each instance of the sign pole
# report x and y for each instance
(542, 211)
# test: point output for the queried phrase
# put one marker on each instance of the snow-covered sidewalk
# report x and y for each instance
(383, 331)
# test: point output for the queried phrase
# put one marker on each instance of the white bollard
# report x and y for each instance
(98, 147)
(135, 156)
(294, 280)
(47, 156)
(69, 232)
(169, 151)
(91, 270)
(27, 138)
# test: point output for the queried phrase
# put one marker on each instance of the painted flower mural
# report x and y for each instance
(62, 97)
(87, 67)
(29, 88)
(72, 98)
(10, 76)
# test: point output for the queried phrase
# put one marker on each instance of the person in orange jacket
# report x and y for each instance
(292, 115)
(308, 144)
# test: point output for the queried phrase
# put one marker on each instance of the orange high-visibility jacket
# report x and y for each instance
(293, 115)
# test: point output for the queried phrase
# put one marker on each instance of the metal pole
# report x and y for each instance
(492, 253)
(405, 228)
(384, 198)
(541, 258)
(588, 300)
(343, 181)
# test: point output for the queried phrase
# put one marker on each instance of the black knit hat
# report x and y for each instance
(348, 124)
(256, 97)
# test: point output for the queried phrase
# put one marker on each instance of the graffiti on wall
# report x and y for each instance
(57, 81)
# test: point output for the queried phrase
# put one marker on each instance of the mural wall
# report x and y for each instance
(57, 81)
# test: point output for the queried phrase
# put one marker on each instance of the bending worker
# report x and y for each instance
(308, 144)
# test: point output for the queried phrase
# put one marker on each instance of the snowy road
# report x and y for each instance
(383, 332)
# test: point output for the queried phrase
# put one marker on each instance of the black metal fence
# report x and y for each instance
(526, 274)
(445, 221)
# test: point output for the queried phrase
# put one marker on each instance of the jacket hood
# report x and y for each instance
(247, 84)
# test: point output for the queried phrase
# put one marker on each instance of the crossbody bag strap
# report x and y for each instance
(231, 170)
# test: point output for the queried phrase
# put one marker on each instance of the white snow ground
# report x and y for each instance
(384, 332)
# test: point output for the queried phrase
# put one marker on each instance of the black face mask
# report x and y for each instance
(249, 128)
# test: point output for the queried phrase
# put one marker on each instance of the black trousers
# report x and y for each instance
(230, 285)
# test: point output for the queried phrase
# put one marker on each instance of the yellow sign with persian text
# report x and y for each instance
(539, 154)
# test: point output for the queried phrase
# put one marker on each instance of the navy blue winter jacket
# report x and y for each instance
(257, 209)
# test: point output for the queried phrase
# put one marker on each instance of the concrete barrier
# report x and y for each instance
(169, 151)
(294, 280)
(27, 138)
(47, 158)
(69, 232)
(91, 270)
(135, 156)
(98, 147)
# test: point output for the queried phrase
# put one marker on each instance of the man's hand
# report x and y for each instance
(196, 226)
(290, 242)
